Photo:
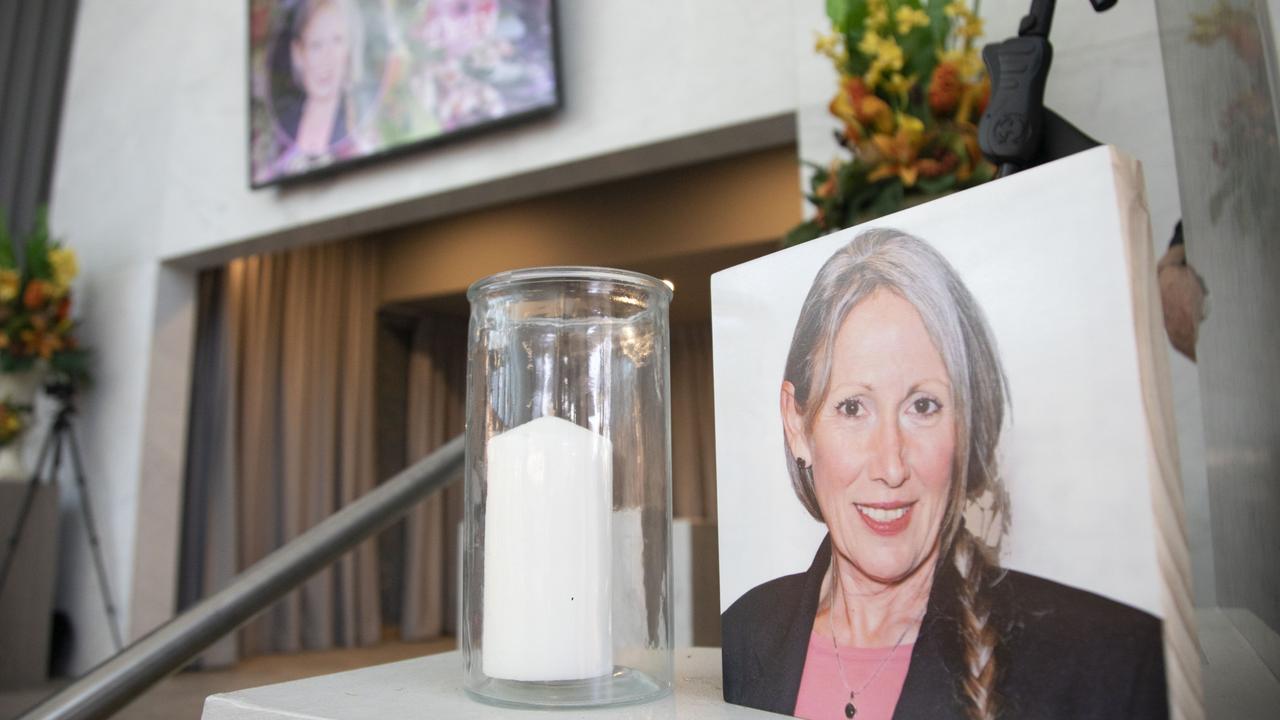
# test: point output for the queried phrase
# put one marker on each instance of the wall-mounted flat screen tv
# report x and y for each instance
(333, 83)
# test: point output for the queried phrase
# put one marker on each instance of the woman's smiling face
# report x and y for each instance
(882, 443)
(322, 53)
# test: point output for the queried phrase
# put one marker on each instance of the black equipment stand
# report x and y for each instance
(1017, 131)
(61, 435)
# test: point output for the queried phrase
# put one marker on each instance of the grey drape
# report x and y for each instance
(693, 444)
(436, 412)
(35, 44)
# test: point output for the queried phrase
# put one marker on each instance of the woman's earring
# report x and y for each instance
(805, 469)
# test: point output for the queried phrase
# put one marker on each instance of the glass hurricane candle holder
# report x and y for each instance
(567, 521)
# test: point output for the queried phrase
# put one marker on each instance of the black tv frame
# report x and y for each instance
(462, 134)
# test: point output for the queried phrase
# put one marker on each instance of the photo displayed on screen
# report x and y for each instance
(942, 490)
(334, 81)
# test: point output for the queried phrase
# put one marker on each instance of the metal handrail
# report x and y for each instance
(129, 673)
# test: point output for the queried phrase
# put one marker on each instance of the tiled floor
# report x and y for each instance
(181, 697)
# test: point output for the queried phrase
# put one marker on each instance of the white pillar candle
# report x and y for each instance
(548, 553)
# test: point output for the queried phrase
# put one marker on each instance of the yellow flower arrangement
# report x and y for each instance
(10, 284)
(909, 18)
(13, 420)
(36, 329)
(62, 264)
(912, 87)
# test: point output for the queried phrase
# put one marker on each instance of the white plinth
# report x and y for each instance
(431, 687)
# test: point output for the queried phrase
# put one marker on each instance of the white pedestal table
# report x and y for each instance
(431, 687)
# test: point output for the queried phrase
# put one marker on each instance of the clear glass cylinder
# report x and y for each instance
(567, 520)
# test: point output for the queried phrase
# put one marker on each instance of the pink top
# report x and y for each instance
(823, 695)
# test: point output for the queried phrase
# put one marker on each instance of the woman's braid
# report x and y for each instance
(977, 632)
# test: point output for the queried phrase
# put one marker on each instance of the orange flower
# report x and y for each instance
(899, 160)
(37, 342)
(64, 308)
(828, 187)
(854, 87)
(844, 106)
(859, 109)
(851, 136)
(874, 111)
(844, 102)
(33, 297)
(50, 344)
(937, 167)
(944, 88)
(974, 160)
(899, 151)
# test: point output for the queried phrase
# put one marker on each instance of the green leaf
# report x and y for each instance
(936, 185)
(14, 364)
(819, 177)
(982, 173)
(859, 64)
(6, 243)
(920, 53)
(73, 366)
(854, 212)
(939, 23)
(802, 233)
(838, 12)
(855, 16)
(888, 200)
(38, 247)
(851, 178)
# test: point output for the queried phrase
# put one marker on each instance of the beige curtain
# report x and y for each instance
(298, 333)
(436, 412)
(693, 448)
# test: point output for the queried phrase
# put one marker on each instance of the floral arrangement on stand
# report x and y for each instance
(36, 328)
(912, 87)
(38, 347)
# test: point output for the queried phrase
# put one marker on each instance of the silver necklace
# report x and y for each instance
(849, 708)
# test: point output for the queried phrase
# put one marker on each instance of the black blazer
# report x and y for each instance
(1064, 653)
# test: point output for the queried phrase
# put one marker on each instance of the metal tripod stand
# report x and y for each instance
(60, 437)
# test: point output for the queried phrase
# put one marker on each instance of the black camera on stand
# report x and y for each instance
(1017, 131)
(60, 438)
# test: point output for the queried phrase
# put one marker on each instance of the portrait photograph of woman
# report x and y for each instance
(925, 542)
(333, 81)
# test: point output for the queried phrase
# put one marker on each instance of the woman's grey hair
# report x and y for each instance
(909, 267)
